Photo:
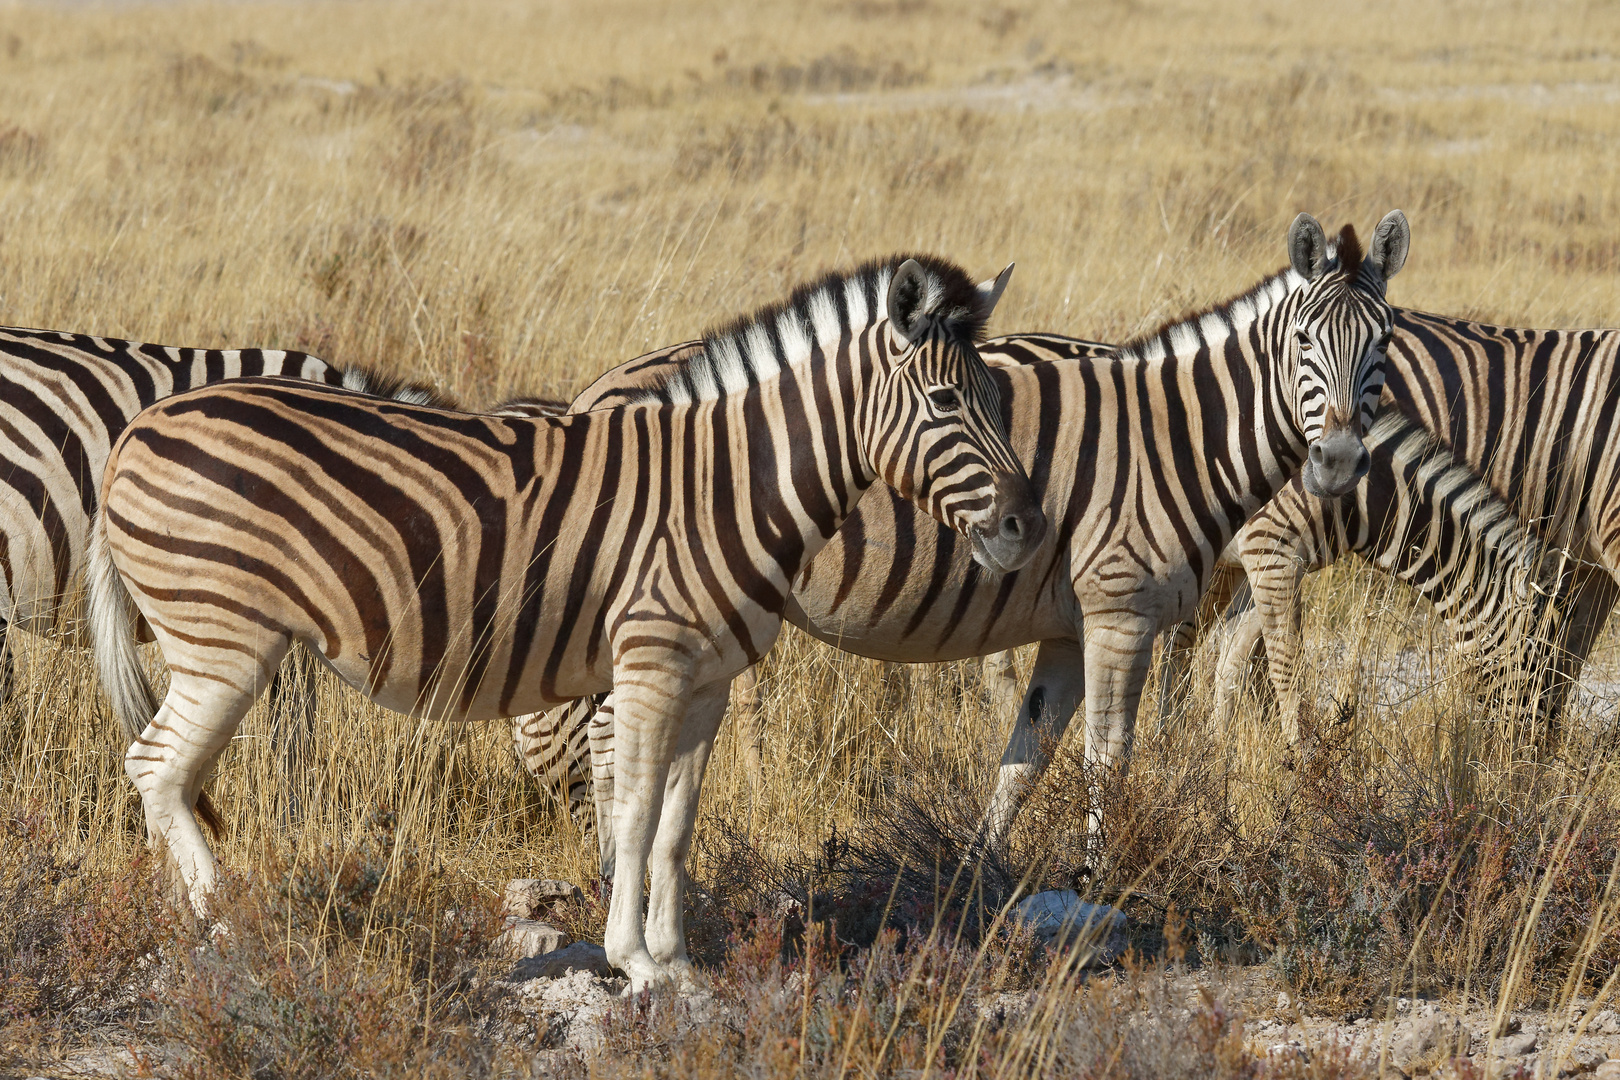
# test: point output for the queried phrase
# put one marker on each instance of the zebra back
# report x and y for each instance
(64, 399)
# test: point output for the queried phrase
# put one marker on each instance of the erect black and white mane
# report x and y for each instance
(756, 347)
(364, 381)
(1220, 319)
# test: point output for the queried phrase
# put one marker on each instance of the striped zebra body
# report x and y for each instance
(460, 566)
(64, 399)
(555, 747)
(1531, 413)
(1421, 517)
(1148, 460)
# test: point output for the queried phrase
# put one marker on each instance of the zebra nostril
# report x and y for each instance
(1316, 454)
(1011, 527)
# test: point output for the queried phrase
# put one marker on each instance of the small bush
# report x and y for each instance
(359, 962)
(77, 946)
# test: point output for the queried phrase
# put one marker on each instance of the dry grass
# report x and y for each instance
(506, 197)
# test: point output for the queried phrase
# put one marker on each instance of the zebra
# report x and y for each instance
(64, 399)
(1420, 516)
(1532, 414)
(554, 746)
(463, 566)
(1149, 458)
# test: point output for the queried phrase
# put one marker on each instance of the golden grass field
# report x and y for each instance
(508, 197)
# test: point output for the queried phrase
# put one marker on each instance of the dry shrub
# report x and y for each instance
(363, 961)
(77, 947)
(892, 1011)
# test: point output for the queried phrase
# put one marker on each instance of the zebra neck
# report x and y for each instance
(1230, 373)
(806, 461)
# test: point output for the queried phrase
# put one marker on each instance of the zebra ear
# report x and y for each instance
(1390, 243)
(990, 293)
(1307, 247)
(908, 300)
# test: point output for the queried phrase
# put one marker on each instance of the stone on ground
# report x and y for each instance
(1060, 919)
(535, 898)
(1428, 1039)
(580, 956)
(529, 937)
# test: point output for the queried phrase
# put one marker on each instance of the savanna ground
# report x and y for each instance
(509, 197)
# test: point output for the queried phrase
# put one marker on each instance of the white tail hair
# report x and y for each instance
(112, 618)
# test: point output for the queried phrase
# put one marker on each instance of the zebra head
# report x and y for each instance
(1341, 327)
(934, 428)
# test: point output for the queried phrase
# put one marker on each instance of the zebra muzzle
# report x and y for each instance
(1336, 463)
(1015, 528)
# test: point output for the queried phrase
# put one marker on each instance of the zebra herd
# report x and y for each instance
(626, 556)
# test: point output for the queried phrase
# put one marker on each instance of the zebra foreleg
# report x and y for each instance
(1054, 693)
(650, 704)
(666, 923)
(1277, 602)
(292, 721)
(1117, 658)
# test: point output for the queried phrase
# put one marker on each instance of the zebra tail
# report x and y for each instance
(209, 815)
(112, 618)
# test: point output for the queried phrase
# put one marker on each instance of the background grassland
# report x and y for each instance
(507, 197)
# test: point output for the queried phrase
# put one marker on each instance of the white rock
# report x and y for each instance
(1060, 918)
(529, 937)
(580, 956)
(1606, 1022)
(1436, 1035)
(1609, 1070)
(531, 898)
(575, 1004)
(1516, 1045)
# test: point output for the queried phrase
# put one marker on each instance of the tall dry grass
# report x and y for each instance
(507, 197)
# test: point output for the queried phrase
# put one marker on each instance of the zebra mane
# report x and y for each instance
(364, 381)
(529, 405)
(1477, 509)
(1344, 258)
(755, 347)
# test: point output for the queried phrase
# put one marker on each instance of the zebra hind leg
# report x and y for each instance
(554, 748)
(601, 751)
(748, 708)
(170, 761)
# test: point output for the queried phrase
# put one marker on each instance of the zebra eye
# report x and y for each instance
(945, 399)
(1303, 341)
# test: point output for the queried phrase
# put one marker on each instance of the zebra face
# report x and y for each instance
(936, 433)
(1338, 336)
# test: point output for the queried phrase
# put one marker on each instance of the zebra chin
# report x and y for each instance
(1335, 465)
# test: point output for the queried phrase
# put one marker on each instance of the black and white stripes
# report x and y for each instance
(64, 398)
(463, 567)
